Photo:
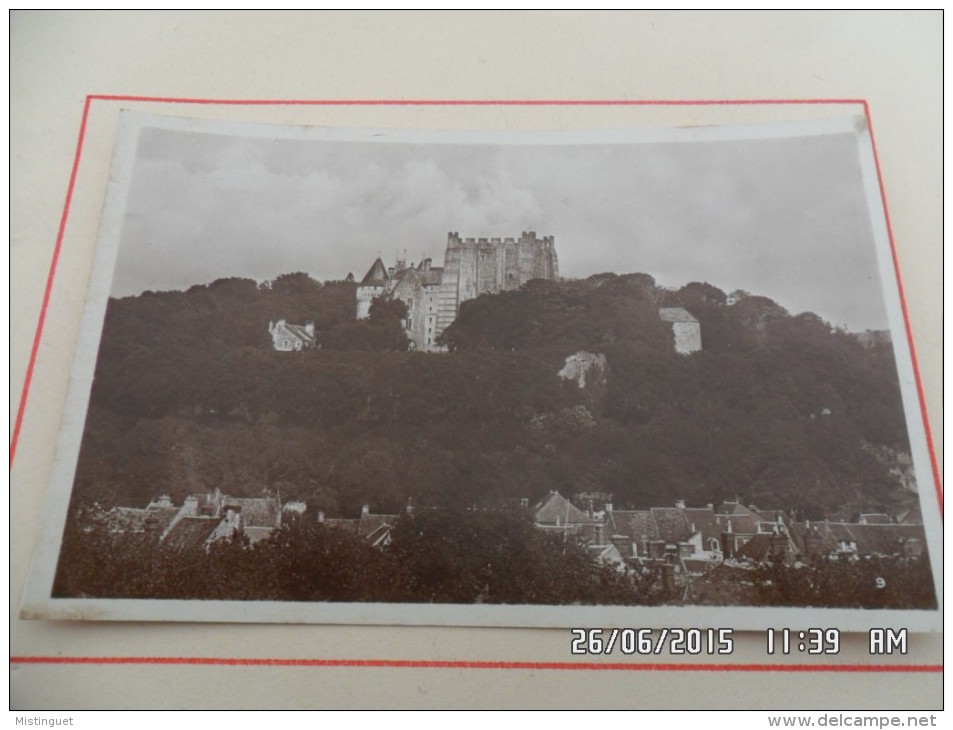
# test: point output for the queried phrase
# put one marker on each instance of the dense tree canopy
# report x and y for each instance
(783, 410)
(450, 556)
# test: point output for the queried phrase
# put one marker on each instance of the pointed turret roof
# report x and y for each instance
(377, 274)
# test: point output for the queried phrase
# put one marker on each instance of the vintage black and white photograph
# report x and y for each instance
(514, 379)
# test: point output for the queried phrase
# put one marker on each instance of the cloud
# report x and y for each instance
(785, 218)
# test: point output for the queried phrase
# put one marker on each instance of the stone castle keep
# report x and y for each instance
(472, 266)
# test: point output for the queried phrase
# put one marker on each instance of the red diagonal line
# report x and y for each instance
(49, 284)
(906, 317)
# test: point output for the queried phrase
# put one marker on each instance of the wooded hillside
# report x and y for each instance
(189, 395)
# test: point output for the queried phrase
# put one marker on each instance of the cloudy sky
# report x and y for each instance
(785, 218)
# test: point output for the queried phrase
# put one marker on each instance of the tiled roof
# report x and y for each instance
(884, 539)
(258, 512)
(877, 539)
(672, 524)
(343, 523)
(703, 518)
(839, 531)
(675, 314)
(757, 548)
(131, 519)
(371, 523)
(605, 553)
(431, 277)
(556, 509)
(300, 332)
(800, 533)
(190, 532)
(617, 521)
(125, 518)
(409, 277)
(741, 524)
(732, 508)
(378, 536)
(639, 524)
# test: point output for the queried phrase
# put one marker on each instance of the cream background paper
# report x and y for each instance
(890, 59)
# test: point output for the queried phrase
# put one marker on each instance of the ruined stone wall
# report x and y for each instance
(449, 292)
(688, 337)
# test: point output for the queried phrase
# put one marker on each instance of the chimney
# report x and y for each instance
(668, 576)
(309, 328)
(366, 509)
(320, 515)
(190, 507)
(608, 506)
(680, 504)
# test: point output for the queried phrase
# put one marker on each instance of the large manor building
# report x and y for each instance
(472, 266)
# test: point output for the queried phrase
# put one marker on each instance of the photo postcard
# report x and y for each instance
(621, 377)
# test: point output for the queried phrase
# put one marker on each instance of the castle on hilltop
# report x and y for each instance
(472, 266)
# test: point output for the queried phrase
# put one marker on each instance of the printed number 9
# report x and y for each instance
(881, 583)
